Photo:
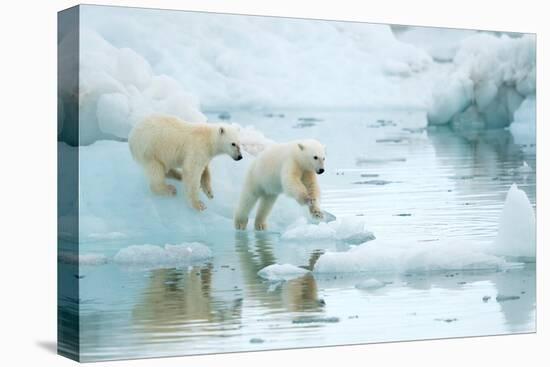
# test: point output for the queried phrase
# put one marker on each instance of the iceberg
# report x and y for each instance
(517, 227)
(492, 77)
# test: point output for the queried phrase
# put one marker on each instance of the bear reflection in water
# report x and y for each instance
(176, 300)
(299, 294)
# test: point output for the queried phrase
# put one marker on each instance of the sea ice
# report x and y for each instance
(379, 256)
(162, 256)
(118, 88)
(278, 272)
(216, 58)
(350, 229)
(492, 77)
(516, 239)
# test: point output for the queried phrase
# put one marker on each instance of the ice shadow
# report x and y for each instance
(48, 345)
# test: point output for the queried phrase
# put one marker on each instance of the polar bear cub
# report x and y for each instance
(290, 168)
(166, 146)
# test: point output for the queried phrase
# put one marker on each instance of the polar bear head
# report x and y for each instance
(228, 141)
(311, 155)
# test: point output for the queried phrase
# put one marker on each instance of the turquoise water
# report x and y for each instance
(409, 182)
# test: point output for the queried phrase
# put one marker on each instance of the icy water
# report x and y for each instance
(410, 183)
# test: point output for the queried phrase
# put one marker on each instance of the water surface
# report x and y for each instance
(410, 183)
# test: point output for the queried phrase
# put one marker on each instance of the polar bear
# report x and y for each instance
(288, 168)
(168, 147)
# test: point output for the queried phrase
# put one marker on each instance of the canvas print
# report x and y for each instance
(233, 183)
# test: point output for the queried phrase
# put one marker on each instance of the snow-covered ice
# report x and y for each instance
(163, 256)
(281, 272)
(492, 76)
(349, 229)
(383, 257)
(442, 45)
(118, 88)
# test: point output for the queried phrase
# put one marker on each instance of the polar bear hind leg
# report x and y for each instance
(156, 174)
(246, 203)
(205, 183)
(266, 204)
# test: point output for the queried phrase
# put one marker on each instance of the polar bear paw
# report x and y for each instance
(199, 205)
(240, 224)
(166, 190)
(209, 194)
(171, 190)
(260, 226)
(316, 213)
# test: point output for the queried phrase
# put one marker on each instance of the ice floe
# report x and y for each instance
(349, 229)
(281, 272)
(379, 256)
(162, 256)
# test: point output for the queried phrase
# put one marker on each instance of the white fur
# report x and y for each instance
(288, 168)
(166, 146)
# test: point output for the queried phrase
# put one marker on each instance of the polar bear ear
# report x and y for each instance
(301, 146)
(222, 130)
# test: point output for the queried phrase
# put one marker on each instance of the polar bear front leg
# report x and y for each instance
(293, 186)
(266, 204)
(205, 183)
(192, 174)
(156, 174)
(310, 182)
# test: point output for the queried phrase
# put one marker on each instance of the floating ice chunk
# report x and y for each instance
(377, 256)
(517, 232)
(369, 284)
(278, 272)
(163, 256)
(347, 229)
